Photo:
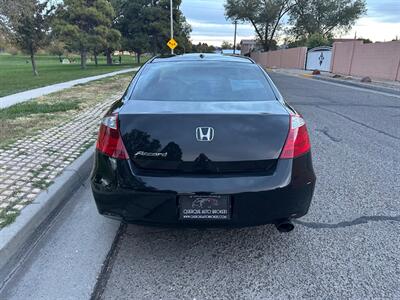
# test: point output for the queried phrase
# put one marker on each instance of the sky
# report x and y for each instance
(209, 25)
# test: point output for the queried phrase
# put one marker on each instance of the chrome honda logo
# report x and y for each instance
(205, 134)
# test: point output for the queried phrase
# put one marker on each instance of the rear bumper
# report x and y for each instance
(154, 200)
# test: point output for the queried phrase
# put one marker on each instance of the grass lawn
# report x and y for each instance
(16, 71)
(25, 119)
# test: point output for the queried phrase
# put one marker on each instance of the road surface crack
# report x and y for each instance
(358, 221)
(360, 123)
(325, 131)
(108, 264)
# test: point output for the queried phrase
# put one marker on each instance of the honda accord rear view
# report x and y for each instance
(203, 140)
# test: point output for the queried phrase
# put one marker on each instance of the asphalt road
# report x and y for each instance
(346, 247)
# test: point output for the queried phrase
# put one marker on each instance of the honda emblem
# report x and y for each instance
(205, 134)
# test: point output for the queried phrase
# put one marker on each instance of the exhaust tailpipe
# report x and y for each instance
(284, 225)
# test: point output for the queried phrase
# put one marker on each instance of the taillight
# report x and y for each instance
(109, 141)
(297, 142)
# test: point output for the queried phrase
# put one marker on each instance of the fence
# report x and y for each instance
(378, 60)
(294, 58)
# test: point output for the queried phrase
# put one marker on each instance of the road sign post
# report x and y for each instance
(172, 44)
(234, 38)
(172, 26)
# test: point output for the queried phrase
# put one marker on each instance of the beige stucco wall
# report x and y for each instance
(286, 58)
(342, 54)
(274, 58)
(378, 60)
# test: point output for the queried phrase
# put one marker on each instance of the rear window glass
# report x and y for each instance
(203, 81)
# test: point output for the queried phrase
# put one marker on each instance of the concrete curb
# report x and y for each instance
(17, 238)
(359, 84)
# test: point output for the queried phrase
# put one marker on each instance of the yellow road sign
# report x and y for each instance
(172, 44)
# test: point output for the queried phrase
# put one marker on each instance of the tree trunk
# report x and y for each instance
(60, 58)
(109, 58)
(83, 58)
(35, 72)
(138, 58)
(95, 59)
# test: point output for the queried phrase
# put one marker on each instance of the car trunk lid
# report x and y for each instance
(204, 137)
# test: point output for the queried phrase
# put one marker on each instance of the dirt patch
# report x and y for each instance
(28, 118)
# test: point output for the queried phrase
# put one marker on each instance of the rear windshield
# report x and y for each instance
(203, 81)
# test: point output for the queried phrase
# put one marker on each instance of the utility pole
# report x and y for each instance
(172, 23)
(234, 39)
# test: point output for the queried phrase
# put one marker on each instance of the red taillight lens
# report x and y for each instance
(109, 141)
(297, 142)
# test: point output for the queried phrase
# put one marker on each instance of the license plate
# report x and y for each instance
(213, 207)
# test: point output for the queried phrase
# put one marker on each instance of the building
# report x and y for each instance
(247, 46)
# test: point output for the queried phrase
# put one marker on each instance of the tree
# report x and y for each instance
(310, 17)
(27, 25)
(144, 25)
(183, 33)
(112, 37)
(202, 48)
(3, 42)
(56, 47)
(365, 41)
(317, 40)
(265, 16)
(226, 45)
(97, 42)
(131, 22)
(113, 42)
(84, 25)
(158, 27)
(104, 40)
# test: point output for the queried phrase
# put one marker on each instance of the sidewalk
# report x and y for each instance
(30, 164)
(31, 94)
(392, 87)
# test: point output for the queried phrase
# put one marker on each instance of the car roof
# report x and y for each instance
(203, 57)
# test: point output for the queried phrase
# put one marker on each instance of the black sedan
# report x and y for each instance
(203, 140)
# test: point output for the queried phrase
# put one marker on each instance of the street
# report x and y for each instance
(346, 247)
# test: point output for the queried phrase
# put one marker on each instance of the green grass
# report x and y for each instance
(8, 218)
(85, 147)
(42, 168)
(9, 214)
(16, 71)
(31, 108)
(42, 184)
